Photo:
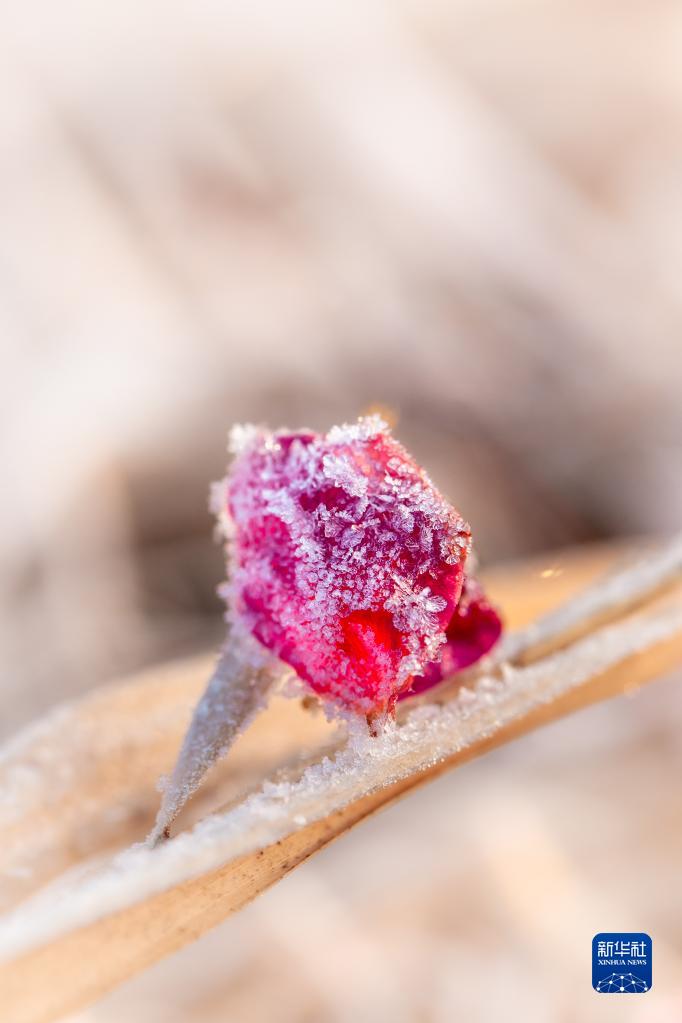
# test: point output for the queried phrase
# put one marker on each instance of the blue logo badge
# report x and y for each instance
(621, 963)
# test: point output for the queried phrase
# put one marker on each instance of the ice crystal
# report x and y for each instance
(472, 632)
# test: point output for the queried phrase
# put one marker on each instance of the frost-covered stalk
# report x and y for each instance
(620, 590)
(234, 695)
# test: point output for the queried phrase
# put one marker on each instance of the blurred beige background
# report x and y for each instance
(466, 212)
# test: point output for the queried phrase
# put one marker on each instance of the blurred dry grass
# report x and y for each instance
(470, 212)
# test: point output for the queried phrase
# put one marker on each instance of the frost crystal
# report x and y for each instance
(472, 632)
(346, 562)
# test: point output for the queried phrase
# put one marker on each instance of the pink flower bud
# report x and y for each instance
(348, 564)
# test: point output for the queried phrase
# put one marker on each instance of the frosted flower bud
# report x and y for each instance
(347, 563)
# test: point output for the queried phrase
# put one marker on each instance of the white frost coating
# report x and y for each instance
(616, 592)
(217, 504)
(430, 734)
(235, 693)
(363, 429)
(240, 437)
